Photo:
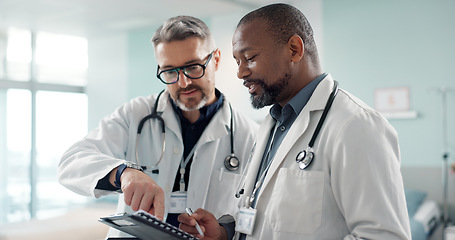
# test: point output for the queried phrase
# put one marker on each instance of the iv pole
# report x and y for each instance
(445, 155)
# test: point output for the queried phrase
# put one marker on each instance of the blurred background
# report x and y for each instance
(66, 64)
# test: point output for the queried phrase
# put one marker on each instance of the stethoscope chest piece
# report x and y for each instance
(231, 162)
(304, 158)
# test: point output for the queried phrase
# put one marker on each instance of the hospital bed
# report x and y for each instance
(424, 215)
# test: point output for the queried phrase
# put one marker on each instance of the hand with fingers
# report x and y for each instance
(140, 191)
(208, 223)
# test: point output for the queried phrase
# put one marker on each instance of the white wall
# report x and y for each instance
(107, 86)
(313, 12)
(223, 28)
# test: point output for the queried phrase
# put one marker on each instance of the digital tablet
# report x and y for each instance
(145, 226)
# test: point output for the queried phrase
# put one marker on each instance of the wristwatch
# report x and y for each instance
(122, 168)
(135, 166)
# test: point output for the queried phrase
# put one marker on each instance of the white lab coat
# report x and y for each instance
(352, 190)
(211, 185)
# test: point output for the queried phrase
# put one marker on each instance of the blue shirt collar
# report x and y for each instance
(297, 103)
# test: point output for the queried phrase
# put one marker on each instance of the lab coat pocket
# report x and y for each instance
(221, 196)
(296, 201)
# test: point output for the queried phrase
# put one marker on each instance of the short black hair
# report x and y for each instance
(283, 22)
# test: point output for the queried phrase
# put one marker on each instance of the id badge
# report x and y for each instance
(178, 202)
(245, 223)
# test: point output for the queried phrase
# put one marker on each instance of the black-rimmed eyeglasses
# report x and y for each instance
(192, 71)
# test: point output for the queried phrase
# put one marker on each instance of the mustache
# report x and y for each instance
(247, 82)
(188, 88)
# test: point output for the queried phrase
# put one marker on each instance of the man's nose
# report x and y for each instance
(243, 71)
(184, 81)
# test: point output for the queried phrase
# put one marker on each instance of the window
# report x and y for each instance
(16, 166)
(18, 55)
(61, 119)
(61, 59)
(43, 110)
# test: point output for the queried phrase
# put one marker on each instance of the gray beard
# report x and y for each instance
(197, 107)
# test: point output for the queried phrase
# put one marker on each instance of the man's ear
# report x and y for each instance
(296, 47)
(216, 58)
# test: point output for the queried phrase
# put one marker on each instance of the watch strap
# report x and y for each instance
(118, 174)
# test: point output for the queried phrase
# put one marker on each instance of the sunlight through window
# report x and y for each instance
(18, 54)
(61, 59)
(37, 125)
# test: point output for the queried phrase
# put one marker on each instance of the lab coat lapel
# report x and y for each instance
(174, 145)
(299, 127)
(261, 144)
(218, 127)
(170, 117)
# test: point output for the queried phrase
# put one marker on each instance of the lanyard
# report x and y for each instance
(183, 164)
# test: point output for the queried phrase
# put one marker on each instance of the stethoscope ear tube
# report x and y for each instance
(231, 162)
(155, 115)
(327, 107)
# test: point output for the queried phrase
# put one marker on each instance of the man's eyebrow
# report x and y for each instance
(243, 50)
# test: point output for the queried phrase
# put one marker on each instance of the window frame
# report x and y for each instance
(33, 86)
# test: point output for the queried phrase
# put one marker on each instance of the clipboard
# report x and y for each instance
(145, 226)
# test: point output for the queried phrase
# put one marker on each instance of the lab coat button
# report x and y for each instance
(282, 128)
(176, 150)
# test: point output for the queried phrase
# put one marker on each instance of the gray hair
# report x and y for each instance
(181, 28)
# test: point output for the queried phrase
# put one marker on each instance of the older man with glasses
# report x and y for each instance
(206, 146)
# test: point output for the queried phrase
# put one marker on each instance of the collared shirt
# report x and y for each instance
(285, 117)
(191, 132)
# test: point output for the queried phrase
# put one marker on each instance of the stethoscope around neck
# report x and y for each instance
(231, 162)
(304, 158)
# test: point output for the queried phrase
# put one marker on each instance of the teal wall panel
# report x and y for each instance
(142, 64)
(407, 43)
